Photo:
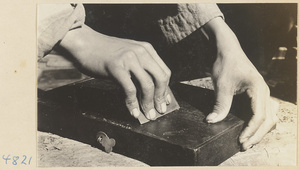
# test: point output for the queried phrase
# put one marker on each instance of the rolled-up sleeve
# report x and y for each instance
(54, 21)
(189, 18)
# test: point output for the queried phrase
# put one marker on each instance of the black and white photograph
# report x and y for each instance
(166, 84)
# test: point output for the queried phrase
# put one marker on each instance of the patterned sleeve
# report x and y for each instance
(189, 18)
(54, 21)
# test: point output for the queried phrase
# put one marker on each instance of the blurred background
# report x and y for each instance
(268, 35)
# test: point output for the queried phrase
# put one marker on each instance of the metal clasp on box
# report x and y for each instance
(105, 141)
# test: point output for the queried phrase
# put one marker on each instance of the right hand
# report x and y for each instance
(122, 58)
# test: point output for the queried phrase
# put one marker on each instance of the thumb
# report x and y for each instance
(221, 107)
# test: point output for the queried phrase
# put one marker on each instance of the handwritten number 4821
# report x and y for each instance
(16, 158)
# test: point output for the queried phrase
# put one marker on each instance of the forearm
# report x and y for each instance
(75, 40)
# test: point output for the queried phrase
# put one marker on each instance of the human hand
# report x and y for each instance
(123, 60)
(233, 73)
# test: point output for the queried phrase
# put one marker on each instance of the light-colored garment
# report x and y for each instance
(55, 20)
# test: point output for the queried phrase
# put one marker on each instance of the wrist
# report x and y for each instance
(74, 39)
(217, 28)
(221, 36)
(80, 42)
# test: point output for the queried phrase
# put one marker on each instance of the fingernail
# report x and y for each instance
(152, 114)
(163, 107)
(248, 147)
(135, 112)
(169, 100)
(210, 118)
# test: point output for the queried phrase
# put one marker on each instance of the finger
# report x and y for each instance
(161, 83)
(161, 79)
(258, 96)
(222, 105)
(168, 97)
(161, 63)
(266, 126)
(147, 90)
(123, 78)
(257, 137)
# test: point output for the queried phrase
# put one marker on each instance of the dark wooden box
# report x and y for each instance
(180, 138)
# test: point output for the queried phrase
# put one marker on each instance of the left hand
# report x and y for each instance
(233, 73)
